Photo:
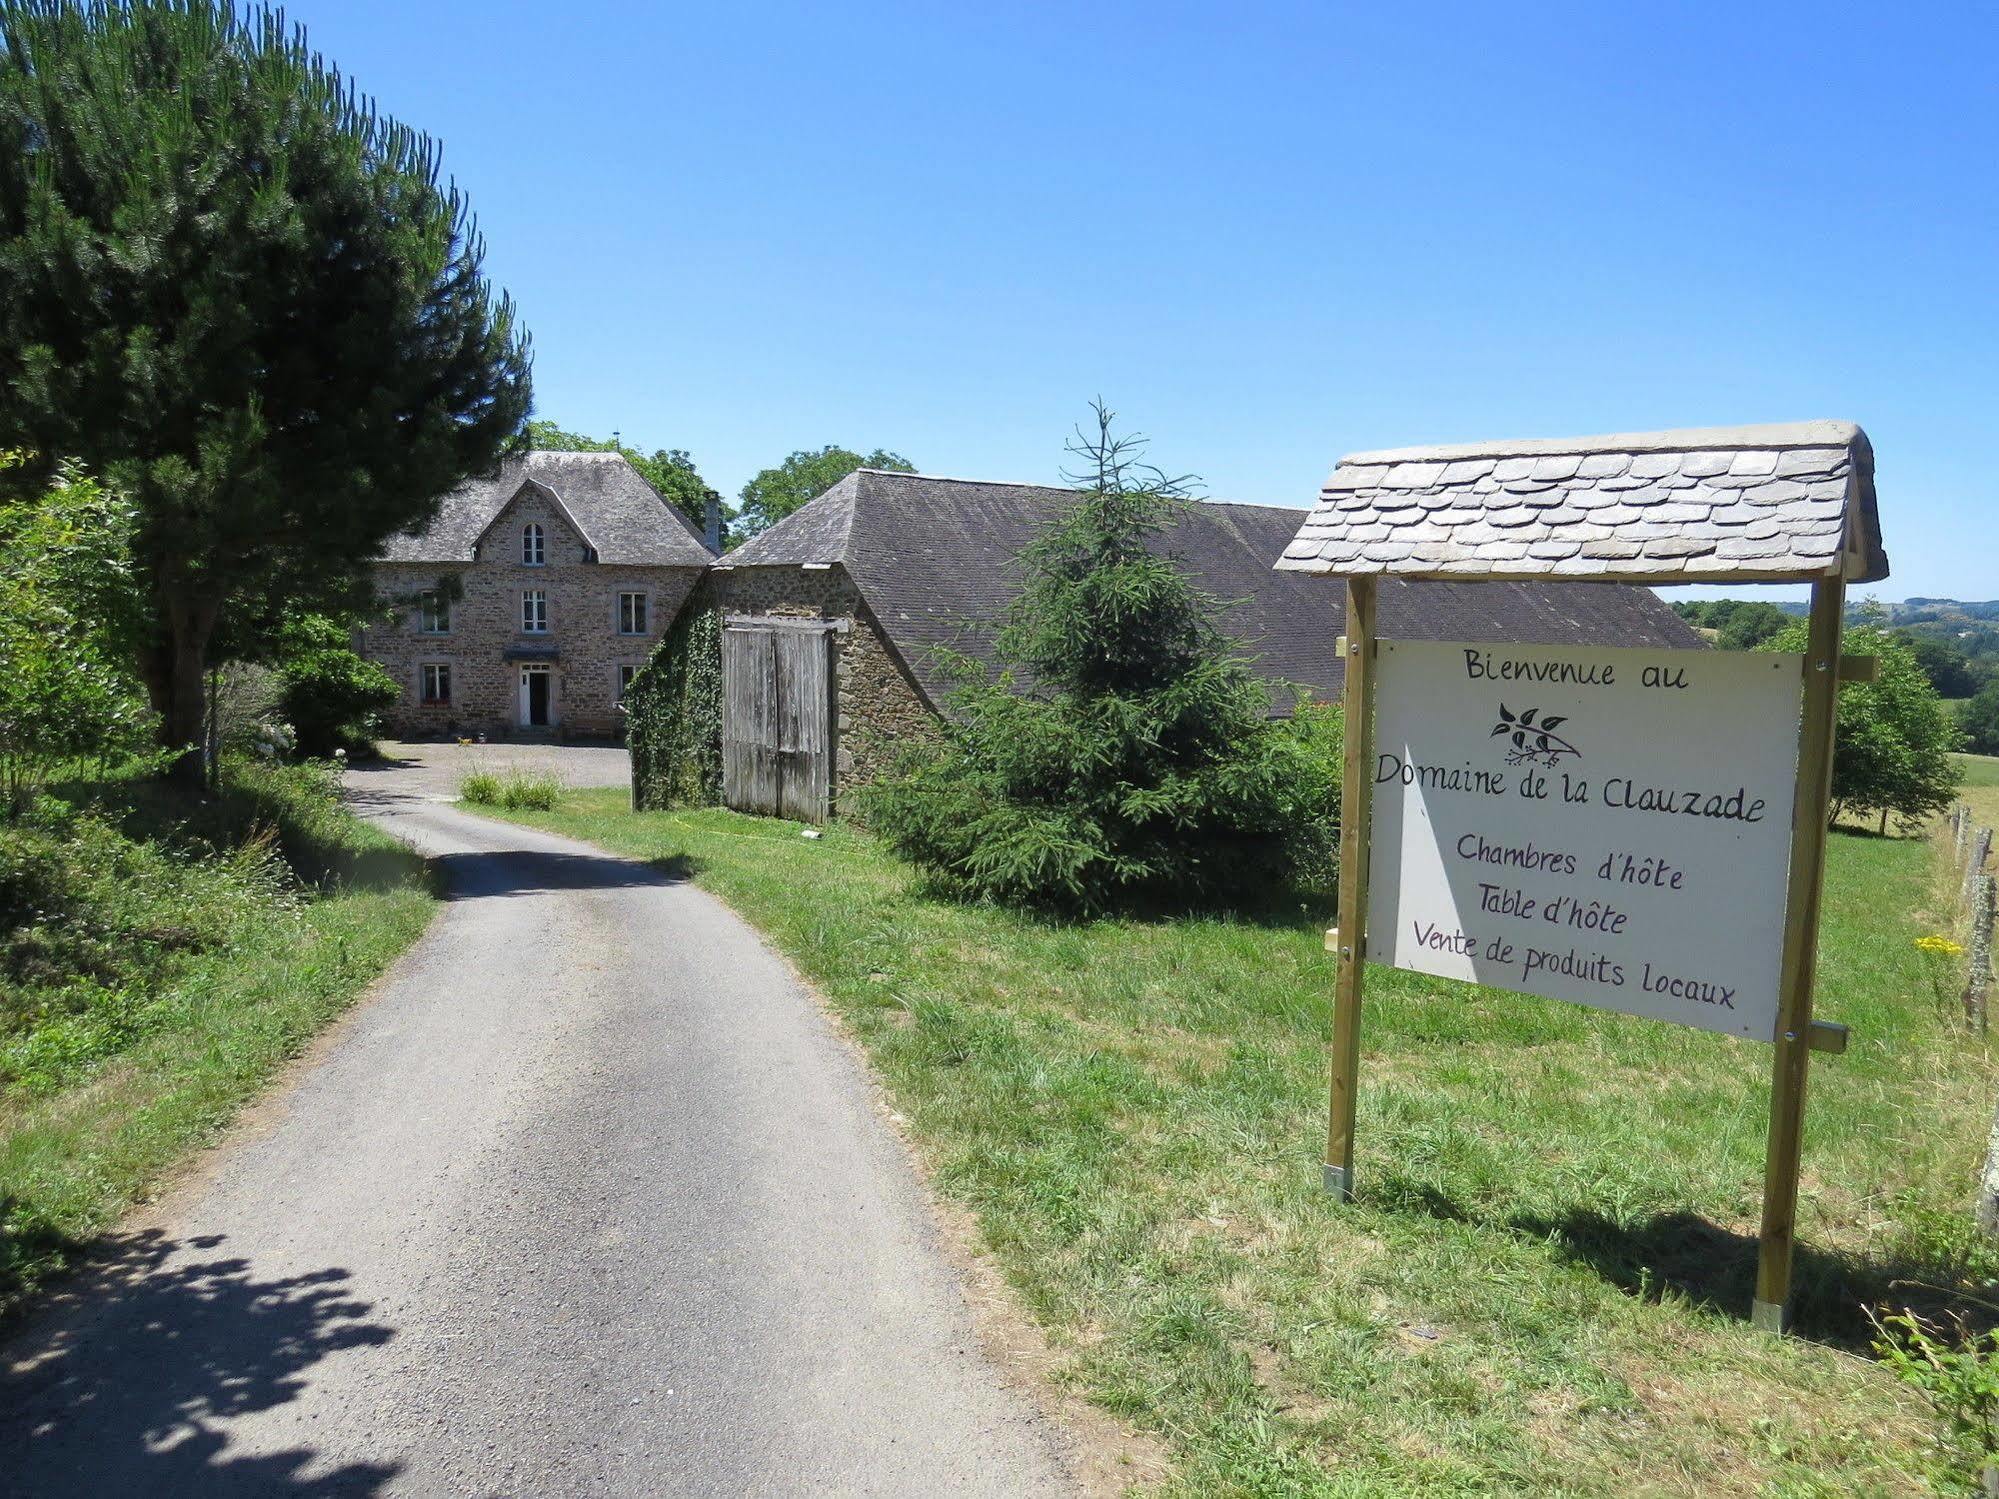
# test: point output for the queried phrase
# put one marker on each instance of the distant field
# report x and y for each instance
(1981, 786)
(1980, 770)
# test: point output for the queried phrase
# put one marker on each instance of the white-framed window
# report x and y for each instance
(631, 614)
(434, 682)
(433, 613)
(534, 612)
(625, 675)
(534, 544)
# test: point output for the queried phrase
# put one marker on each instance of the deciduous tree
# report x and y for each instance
(1981, 721)
(1947, 667)
(1896, 736)
(671, 471)
(244, 296)
(776, 492)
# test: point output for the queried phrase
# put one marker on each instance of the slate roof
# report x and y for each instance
(1706, 504)
(620, 515)
(934, 560)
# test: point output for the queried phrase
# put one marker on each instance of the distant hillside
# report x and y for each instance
(1916, 611)
(1956, 643)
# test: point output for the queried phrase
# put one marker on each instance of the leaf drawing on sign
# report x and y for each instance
(1533, 737)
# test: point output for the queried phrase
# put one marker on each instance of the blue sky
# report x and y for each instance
(1267, 235)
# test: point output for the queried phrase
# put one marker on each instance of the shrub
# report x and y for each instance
(246, 702)
(530, 790)
(481, 788)
(1123, 757)
(330, 695)
(66, 694)
(514, 790)
(1959, 1377)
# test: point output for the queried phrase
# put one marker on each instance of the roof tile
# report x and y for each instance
(934, 560)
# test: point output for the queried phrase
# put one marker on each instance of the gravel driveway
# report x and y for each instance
(588, 1198)
(434, 770)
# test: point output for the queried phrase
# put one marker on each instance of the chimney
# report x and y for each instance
(714, 525)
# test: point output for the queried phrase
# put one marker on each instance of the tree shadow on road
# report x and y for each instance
(483, 876)
(117, 1383)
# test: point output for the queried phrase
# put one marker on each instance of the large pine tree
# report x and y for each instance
(235, 289)
(1125, 755)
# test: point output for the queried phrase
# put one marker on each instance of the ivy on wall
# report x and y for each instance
(673, 722)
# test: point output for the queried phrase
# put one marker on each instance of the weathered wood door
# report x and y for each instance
(777, 717)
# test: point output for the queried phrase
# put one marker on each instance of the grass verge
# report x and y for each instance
(1541, 1287)
(162, 957)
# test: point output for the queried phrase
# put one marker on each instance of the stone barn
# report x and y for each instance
(526, 607)
(834, 617)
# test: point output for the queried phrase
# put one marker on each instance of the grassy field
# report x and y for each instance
(160, 958)
(1541, 1287)
(1981, 786)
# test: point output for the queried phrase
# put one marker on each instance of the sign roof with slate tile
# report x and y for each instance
(1781, 503)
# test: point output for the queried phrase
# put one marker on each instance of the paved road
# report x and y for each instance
(588, 1200)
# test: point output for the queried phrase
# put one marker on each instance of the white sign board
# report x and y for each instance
(1606, 826)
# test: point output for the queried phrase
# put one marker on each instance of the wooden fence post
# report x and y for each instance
(1974, 866)
(1978, 982)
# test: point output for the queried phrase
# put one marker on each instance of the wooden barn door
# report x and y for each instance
(777, 717)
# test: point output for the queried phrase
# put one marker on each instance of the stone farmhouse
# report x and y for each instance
(528, 603)
(860, 588)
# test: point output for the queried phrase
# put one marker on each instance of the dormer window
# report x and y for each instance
(534, 545)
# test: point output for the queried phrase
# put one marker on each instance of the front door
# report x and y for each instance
(534, 697)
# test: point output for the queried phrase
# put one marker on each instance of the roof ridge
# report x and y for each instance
(897, 473)
(1821, 433)
(903, 473)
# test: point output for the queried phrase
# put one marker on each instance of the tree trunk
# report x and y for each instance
(181, 695)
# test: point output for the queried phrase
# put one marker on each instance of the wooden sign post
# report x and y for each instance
(1350, 936)
(1636, 826)
(1817, 724)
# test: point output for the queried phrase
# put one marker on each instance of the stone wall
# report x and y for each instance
(881, 711)
(583, 646)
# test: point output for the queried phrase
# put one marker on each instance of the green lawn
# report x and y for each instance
(1541, 1287)
(171, 956)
